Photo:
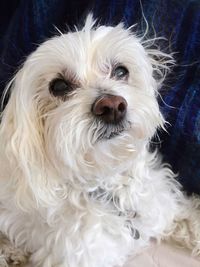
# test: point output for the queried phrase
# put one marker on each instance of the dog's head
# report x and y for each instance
(84, 103)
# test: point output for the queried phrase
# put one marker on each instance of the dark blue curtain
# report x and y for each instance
(26, 23)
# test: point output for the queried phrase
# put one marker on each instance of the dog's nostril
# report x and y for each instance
(122, 107)
(106, 110)
(110, 108)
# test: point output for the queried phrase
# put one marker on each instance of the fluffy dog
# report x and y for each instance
(79, 186)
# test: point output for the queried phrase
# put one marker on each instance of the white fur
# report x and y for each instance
(68, 197)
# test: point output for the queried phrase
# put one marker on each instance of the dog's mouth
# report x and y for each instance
(111, 131)
(113, 134)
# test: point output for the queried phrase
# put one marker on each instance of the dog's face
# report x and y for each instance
(86, 100)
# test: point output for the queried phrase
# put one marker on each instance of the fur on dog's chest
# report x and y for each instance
(113, 201)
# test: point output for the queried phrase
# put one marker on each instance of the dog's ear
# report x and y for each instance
(162, 62)
(21, 138)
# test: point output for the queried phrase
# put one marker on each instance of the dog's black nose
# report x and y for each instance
(110, 108)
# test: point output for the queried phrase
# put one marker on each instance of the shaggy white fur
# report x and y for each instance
(74, 190)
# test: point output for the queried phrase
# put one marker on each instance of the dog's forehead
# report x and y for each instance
(81, 48)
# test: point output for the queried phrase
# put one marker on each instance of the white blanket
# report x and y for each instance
(163, 256)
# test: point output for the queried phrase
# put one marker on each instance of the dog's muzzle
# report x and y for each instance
(110, 108)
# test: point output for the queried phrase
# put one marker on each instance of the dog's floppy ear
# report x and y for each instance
(21, 138)
(161, 62)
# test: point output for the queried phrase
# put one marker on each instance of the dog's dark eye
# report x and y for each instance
(60, 87)
(120, 73)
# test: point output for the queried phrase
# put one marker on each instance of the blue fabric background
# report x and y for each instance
(26, 23)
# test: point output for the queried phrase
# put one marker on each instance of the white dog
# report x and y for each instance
(78, 184)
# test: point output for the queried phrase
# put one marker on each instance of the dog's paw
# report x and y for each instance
(9, 255)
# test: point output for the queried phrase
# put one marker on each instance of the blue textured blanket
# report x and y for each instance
(26, 23)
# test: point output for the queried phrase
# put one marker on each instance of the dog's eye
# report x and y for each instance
(60, 87)
(120, 73)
